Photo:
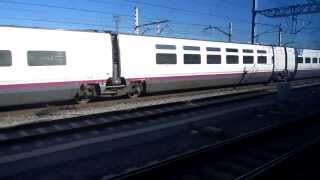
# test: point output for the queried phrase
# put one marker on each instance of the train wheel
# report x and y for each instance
(135, 90)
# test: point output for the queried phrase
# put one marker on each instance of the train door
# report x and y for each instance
(292, 63)
(280, 63)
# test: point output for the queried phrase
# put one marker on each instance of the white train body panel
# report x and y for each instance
(138, 62)
(88, 58)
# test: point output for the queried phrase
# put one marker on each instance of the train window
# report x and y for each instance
(5, 58)
(262, 51)
(247, 51)
(213, 49)
(300, 60)
(165, 46)
(46, 58)
(314, 60)
(192, 48)
(192, 59)
(308, 60)
(213, 59)
(262, 59)
(166, 58)
(231, 50)
(247, 59)
(232, 59)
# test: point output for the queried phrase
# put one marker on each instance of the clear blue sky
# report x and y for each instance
(188, 18)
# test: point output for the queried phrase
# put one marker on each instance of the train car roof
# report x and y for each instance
(132, 34)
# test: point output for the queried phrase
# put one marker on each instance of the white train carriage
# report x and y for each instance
(308, 63)
(164, 64)
(39, 65)
(42, 65)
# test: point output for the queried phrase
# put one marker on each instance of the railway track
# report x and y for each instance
(20, 132)
(21, 144)
(13, 117)
(118, 118)
(248, 156)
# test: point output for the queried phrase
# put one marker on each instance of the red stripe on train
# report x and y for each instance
(50, 84)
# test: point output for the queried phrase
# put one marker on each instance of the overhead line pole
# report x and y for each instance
(253, 22)
(280, 35)
(117, 20)
(230, 31)
(136, 21)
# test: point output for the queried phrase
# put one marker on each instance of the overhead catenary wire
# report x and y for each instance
(102, 24)
(221, 4)
(61, 7)
(181, 10)
(92, 11)
(95, 11)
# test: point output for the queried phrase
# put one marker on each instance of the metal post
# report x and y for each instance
(117, 20)
(230, 31)
(253, 23)
(280, 35)
(158, 29)
(136, 21)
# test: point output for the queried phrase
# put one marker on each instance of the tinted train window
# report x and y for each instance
(262, 51)
(213, 49)
(231, 50)
(192, 59)
(247, 51)
(247, 59)
(308, 60)
(300, 60)
(46, 58)
(315, 60)
(192, 48)
(232, 59)
(166, 59)
(262, 59)
(5, 58)
(213, 59)
(165, 46)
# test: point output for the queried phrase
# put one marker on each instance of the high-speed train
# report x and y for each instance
(45, 65)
